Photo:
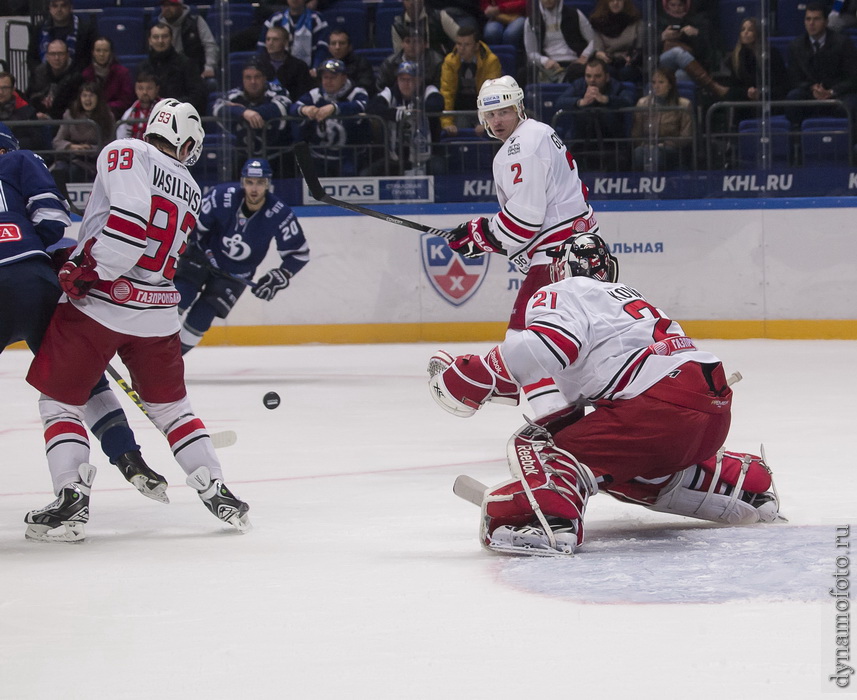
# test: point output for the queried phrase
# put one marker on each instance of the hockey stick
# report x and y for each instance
(304, 159)
(473, 491)
(224, 438)
(63, 188)
(212, 263)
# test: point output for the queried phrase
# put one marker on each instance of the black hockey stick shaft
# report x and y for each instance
(304, 159)
(214, 266)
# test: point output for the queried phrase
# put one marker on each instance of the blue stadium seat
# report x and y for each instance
(781, 44)
(790, 14)
(93, 4)
(237, 18)
(540, 99)
(749, 141)
(352, 20)
(127, 31)
(132, 62)
(732, 14)
(508, 55)
(237, 60)
(467, 155)
(214, 148)
(825, 141)
(384, 17)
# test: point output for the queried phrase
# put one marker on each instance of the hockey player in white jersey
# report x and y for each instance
(542, 202)
(662, 413)
(120, 298)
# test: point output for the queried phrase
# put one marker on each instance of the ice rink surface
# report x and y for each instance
(363, 577)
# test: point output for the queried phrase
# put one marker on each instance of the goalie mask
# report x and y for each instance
(584, 255)
(497, 94)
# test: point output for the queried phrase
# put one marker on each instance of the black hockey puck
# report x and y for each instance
(271, 400)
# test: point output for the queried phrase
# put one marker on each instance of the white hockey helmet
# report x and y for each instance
(178, 123)
(584, 255)
(499, 93)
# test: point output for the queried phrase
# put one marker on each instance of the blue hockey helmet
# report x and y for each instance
(257, 167)
(7, 139)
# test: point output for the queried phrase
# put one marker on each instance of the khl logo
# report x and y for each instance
(456, 279)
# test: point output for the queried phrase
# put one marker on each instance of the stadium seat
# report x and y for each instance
(540, 99)
(384, 17)
(132, 62)
(790, 14)
(508, 55)
(825, 141)
(352, 20)
(781, 44)
(126, 31)
(749, 141)
(467, 155)
(214, 149)
(237, 61)
(237, 18)
(732, 14)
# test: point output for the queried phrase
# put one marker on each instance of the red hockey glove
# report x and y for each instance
(78, 275)
(461, 385)
(474, 238)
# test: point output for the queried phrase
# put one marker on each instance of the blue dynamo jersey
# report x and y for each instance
(240, 244)
(33, 214)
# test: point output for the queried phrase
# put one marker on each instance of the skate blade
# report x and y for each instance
(241, 523)
(511, 550)
(158, 493)
(70, 532)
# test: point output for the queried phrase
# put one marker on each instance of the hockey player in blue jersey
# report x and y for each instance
(33, 217)
(232, 238)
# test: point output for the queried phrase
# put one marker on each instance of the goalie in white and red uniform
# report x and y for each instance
(662, 412)
(542, 202)
(120, 298)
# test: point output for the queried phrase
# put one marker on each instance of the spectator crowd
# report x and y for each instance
(391, 87)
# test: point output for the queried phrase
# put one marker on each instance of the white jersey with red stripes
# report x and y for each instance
(597, 340)
(542, 199)
(142, 207)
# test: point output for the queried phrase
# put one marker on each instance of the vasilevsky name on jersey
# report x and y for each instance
(143, 206)
(33, 215)
(240, 243)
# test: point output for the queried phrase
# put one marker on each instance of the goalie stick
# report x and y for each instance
(304, 159)
(223, 438)
(473, 491)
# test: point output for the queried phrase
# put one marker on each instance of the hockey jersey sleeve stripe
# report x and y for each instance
(563, 346)
(123, 229)
(520, 231)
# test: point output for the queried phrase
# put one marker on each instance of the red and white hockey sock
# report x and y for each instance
(66, 440)
(188, 437)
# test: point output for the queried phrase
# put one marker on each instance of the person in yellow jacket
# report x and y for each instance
(464, 70)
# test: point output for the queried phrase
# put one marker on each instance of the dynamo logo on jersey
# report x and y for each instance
(456, 279)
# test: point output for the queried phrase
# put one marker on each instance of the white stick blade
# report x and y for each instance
(224, 438)
(469, 489)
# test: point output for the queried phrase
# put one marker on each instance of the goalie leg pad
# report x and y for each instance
(730, 488)
(541, 511)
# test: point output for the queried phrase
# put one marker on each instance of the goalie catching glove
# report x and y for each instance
(474, 238)
(78, 275)
(271, 282)
(462, 384)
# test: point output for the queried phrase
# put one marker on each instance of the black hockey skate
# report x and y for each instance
(70, 511)
(219, 500)
(142, 477)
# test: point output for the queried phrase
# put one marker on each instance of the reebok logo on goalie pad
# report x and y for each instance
(9, 233)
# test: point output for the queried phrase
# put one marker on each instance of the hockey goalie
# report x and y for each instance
(662, 410)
